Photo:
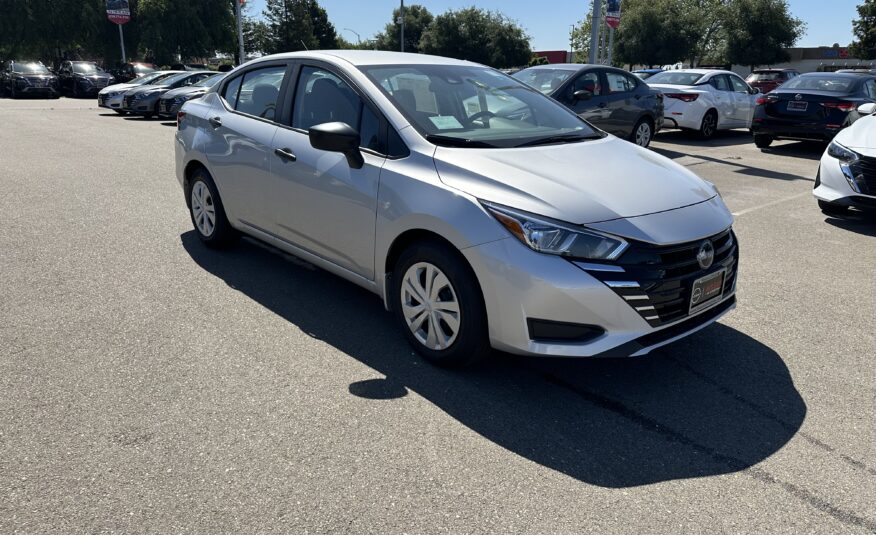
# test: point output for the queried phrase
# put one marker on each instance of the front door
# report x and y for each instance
(320, 203)
(590, 105)
(744, 97)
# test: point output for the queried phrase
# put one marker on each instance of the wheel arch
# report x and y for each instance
(188, 171)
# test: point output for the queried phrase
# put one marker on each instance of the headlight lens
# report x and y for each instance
(841, 153)
(554, 237)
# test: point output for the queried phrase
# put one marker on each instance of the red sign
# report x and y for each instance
(118, 11)
(612, 13)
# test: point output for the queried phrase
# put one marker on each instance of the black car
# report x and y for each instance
(812, 106)
(612, 99)
(82, 78)
(25, 78)
(126, 72)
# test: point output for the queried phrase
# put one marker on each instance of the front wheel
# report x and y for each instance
(438, 304)
(709, 125)
(762, 141)
(643, 132)
(207, 212)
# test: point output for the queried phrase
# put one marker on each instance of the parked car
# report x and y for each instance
(812, 106)
(705, 100)
(128, 71)
(611, 99)
(644, 74)
(484, 213)
(27, 78)
(865, 71)
(143, 100)
(82, 78)
(847, 173)
(768, 79)
(111, 97)
(171, 102)
(189, 67)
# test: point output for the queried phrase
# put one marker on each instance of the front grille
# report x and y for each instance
(657, 280)
(865, 174)
(128, 101)
(100, 82)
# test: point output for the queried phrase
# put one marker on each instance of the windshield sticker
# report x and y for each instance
(445, 122)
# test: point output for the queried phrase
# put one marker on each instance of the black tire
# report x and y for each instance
(121, 112)
(472, 342)
(709, 126)
(12, 92)
(148, 115)
(829, 208)
(222, 234)
(75, 90)
(634, 136)
(763, 141)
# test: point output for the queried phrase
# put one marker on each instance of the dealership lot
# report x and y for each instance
(150, 384)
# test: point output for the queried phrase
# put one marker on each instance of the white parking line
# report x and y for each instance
(771, 203)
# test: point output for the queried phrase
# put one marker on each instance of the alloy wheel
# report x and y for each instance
(709, 124)
(203, 209)
(430, 306)
(643, 134)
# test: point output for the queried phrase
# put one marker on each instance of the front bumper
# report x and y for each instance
(519, 284)
(833, 186)
(111, 102)
(142, 105)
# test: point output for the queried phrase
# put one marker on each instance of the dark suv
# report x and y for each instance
(82, 78)
(128, 71)
(21, 78)
(768, 79)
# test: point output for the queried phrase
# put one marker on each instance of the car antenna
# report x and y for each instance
(305, 46)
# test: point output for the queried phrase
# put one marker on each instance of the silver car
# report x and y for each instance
(482, 212)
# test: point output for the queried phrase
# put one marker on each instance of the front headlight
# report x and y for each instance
(841, 153)
(547, 236)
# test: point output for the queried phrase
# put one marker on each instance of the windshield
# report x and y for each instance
(147, 78)
(675, 78)
(174, 78)
(161, 78)
(30, 68)
(86, 68)
(763, 77)
(210, 81)
(545, 80)
(474, 106)
(821, 82)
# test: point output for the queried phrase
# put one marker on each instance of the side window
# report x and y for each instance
(720, 82)
(259, 92)
(870, 88)
(230, 92)
(589, 81)
(619, 83)
(369, 129)
(738, 85)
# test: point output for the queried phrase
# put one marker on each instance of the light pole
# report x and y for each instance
(401, 21)
(358, 39)
(595, 22)
(571, 43)
(240, 32)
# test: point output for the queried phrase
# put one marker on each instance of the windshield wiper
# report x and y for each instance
(453, 141)
(562, 138)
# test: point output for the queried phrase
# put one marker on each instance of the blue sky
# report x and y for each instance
(547, 21)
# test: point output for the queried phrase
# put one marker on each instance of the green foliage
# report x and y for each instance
(538, 60)
(654, 32)
(298, 25)
(195, 28)
(256, 36)
(864, 46)
(758, 31)
(477, 35)
(417, 20)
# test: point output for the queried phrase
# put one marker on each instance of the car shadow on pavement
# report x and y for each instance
(714, 403)
(722, 138)
(740, 167)
(863, 223)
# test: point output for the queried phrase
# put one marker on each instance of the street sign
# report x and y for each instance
(118, 11)
(613, 13)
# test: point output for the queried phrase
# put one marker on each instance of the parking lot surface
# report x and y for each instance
(148, 384)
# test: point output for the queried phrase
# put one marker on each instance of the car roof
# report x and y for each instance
(854, 75)
(702, 71)
(368, 57)
(773, 70)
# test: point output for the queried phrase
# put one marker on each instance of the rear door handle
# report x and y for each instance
(215, 122)
(286, 154)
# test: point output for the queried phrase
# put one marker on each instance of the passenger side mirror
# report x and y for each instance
(867, 109)
(582, 94)
(338, 137)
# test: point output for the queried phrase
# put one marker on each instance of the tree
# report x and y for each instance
(758, 31)
(654, 32)
(417, 20)
(256, 36)
(477, 35)
(864, 46)
(298, 25)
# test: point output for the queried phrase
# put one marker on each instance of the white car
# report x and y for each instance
(705, 100)
(847, 173)
(111, 97)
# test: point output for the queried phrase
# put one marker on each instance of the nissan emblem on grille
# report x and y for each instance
(706, 255)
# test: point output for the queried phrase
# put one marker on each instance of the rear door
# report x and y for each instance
(725, 102)
(623, 102)
(319, 203)
(239, 140)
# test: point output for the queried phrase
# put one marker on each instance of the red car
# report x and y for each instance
(768, 79)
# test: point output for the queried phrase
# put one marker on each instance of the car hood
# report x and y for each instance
(158, 89)
(861, 136)
(185, 91)
(580, 183)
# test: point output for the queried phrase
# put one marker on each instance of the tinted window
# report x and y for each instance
(322, 97)
(86, 68)
(870, 88)
(369, 129)
(229, 93)
(589, 81)
(675, 78)
(822, 82)
(720, 83)
(545, 80)
(258, 91)
(210, 80)
(738, 85)
(619, 83)
(30, 68)
(765, 76)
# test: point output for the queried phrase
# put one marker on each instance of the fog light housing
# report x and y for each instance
(561, 331)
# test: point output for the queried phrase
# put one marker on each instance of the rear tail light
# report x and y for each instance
(684, 97)
(842, 106)
(180, 115)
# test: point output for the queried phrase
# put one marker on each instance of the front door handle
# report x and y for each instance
(286, 154)
(215, 122)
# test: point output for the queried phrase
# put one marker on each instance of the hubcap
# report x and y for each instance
(709, 125)
(643, 135)
(429, 306)
(203, 210)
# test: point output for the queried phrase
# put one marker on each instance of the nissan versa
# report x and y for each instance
(481, 211)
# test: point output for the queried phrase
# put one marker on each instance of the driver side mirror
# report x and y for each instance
(338, 137)
(756, 91)
(582, 94)
(867, 109)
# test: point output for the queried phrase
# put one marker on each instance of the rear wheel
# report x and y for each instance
(439, 306)
(830, 208)
(763, 141)
(207, 212)
(709, 125)
(643, 132)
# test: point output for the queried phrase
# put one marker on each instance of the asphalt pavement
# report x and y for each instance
(148, 384)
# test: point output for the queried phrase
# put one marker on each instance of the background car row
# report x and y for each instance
(145, 96)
